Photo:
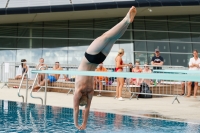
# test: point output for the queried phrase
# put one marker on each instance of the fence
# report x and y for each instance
(109, 85)
(105, 85)
(163, 88)
(9, 71)
(140, 87)
(132, 87)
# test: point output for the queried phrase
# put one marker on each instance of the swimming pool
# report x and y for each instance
(15, 117)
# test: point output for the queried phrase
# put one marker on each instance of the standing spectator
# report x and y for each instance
(99, 80)
(183, 88)
(157, 60)
(41, 66)
(194, 64)
(119, 64)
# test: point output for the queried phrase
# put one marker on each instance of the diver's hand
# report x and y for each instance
(83, 126)
(78, 127)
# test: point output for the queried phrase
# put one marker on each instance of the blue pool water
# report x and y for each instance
(16, 117)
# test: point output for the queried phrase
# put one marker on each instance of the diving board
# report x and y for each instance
(160, 76)
(196, 72)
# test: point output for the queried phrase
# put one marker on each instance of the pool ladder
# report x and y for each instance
(27, 87)
(31, 94)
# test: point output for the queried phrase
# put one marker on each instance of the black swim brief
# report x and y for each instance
(96, 59)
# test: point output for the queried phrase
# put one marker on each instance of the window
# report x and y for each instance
(141, 57)
(32, 56)
(7, 55)
(10, 32)
(162, 46)
(103, 25)
(75, 57)
(181, 47)
(54, 30)
(178, 26)
(52, 55)
(139, 34)
(180, 59)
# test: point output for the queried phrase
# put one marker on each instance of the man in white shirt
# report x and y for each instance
(194, 64)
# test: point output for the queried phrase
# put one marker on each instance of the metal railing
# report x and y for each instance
(34, 82)
(9, 71)
(25, 76)
(164, 87)
(159, 88)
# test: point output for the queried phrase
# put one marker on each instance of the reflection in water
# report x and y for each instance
(100, 118)
(18, 117)
(40, 110)
(56, 111)
(155, 115)
(118, 121)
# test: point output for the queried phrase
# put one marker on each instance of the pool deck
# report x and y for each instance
(188, 109)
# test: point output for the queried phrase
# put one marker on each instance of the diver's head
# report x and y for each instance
(83, 100)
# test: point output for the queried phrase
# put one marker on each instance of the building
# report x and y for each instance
(61, 30)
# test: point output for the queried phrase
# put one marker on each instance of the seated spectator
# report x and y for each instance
(99, 80)
(41, 66)
(136, 69)
(146, 70)
(51, 78)
(23, 68)
(130, 67)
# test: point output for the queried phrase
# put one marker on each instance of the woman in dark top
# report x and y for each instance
(23, 68)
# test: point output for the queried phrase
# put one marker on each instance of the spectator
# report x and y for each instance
(51, 78)
(130, 67)
(194, 64)
(157, 60)
(23, 68)
(136, 69)
(146, 70)
(41, 66)
(183, 88)
(119, 64)
(99, 80)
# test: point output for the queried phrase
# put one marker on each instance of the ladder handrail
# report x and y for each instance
(34, 85)
(19, 95)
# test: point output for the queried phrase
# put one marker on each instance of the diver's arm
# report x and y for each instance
(77, 96)
(87, 111)
(86, 114)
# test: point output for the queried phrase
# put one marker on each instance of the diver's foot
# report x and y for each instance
(131, 14)
(188, 96)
